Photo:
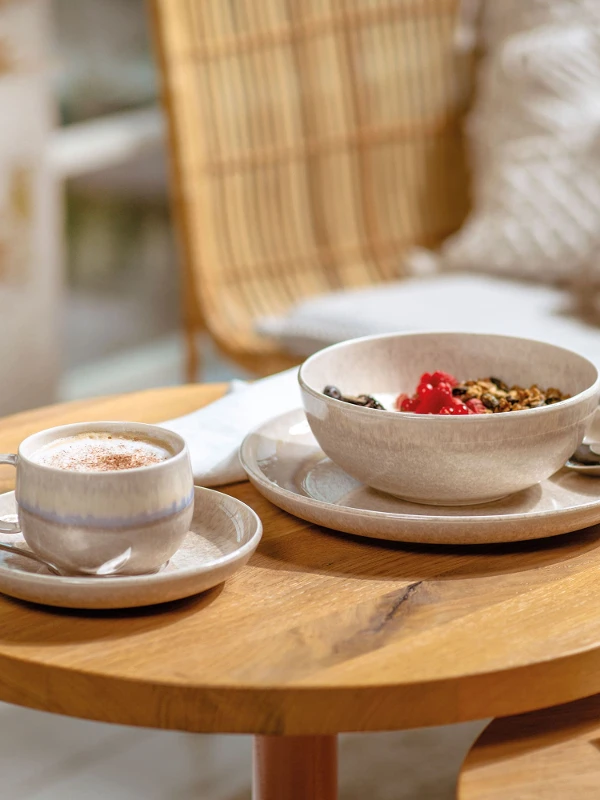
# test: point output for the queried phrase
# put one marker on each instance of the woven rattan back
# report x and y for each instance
(313, 141)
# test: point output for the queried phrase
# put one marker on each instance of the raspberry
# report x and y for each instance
(434, 396)
(476, 405)
(455, 410)
(444, 387)
(442, 377)
(455, 406)
(432, 400)
(437, 380)
(456, 401)
(402, 398)
(409, 403)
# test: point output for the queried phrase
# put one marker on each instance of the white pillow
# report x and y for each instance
(534, 143)
(476, 303)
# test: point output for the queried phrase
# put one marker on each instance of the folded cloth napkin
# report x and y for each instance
(214, 433)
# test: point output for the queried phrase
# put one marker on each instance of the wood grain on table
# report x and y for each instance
(321, 632)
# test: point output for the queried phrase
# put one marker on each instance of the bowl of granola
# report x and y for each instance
(449, 418)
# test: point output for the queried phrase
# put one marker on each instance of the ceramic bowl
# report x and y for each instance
(443, 460)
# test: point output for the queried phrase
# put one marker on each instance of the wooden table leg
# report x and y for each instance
(295, 768)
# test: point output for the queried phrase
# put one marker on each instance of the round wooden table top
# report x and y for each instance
(320, 632)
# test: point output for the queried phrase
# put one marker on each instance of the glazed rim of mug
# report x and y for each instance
(489, 418)
(172, 442)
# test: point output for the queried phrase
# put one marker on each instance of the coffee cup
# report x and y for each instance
(103, 497)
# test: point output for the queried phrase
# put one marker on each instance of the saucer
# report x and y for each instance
(284, 462)
(224, 534)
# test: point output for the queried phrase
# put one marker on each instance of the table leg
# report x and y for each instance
(295, 768)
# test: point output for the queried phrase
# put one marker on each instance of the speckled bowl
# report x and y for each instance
(442, 460)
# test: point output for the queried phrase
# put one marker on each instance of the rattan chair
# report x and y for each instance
(312, 142)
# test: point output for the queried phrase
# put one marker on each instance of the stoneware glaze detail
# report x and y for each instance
(439, 460)
(285, 464)
(223, 534)
(80, 521)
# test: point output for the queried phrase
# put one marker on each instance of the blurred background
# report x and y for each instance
(120, 272)
(88, 264)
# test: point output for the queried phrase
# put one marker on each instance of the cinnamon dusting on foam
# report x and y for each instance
(100, 452)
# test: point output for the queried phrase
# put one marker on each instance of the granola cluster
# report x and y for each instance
(497, 397)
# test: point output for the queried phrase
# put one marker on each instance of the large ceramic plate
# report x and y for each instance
(285, 464)
(223, 535)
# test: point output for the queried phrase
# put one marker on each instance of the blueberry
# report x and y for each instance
(332, 391)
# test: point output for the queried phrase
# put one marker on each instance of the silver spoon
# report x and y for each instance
(585, 460)
(10, 548)
(107, 570)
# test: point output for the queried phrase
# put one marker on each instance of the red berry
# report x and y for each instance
(456, 401)
(423, 387)
(434, 396)
(456, 411)
(476, 405)
(444, 387)
(403, 397)
(409, 404)
(442, 377)
(431, 401)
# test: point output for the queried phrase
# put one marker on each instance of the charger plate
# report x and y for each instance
(284, 462)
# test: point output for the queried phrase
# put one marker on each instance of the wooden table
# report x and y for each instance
(552, 754)
(320, 633)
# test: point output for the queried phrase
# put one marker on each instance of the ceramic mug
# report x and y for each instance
(127, 521)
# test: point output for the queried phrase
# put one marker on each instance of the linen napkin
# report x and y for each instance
(214, 433)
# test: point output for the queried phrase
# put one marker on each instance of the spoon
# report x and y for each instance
(19, 551)
(109, 569)
(585, 460)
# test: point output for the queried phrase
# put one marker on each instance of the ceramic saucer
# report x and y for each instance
(284, 462)
(223, 535)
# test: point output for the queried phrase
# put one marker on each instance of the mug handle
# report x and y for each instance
(9, 527)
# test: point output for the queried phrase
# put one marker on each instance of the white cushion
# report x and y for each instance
(533, 143)
(454, 302)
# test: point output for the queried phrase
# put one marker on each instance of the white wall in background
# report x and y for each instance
(30, 211)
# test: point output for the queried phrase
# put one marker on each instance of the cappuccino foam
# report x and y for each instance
(100, 452)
